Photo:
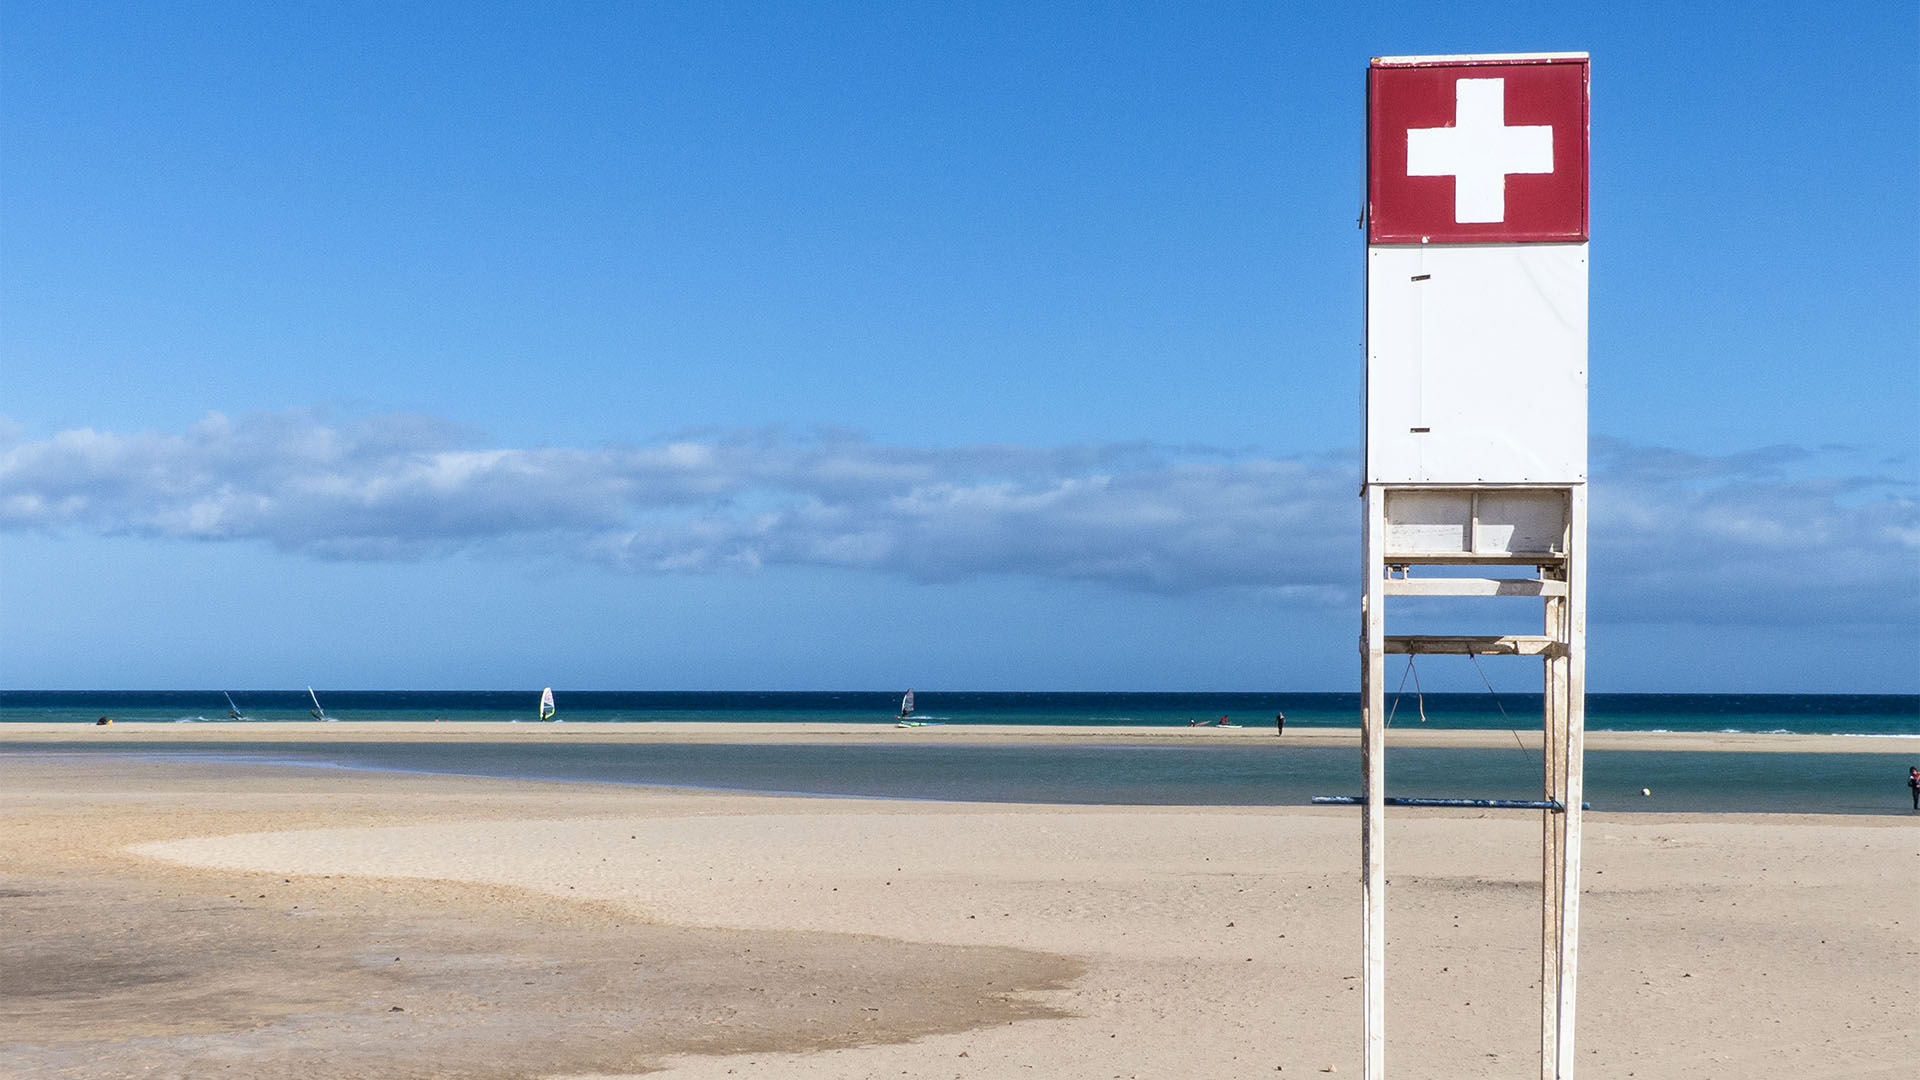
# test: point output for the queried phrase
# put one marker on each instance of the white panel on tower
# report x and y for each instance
(1477, 364)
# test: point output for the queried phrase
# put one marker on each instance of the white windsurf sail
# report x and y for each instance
(317, 712)
(233, 711)
(546, 703)
(906, 705)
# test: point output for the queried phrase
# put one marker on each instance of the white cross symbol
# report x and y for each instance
(1479, 151)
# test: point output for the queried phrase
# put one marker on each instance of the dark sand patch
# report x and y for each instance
(111, 966)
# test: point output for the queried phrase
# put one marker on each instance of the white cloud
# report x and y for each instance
(1776, 534)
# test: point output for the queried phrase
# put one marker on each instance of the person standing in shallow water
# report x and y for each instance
(1279, 723)
(1913, 785)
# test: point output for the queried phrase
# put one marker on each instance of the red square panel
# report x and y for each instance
(1481, 150)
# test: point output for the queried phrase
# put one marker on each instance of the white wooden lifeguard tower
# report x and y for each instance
(1476, 431)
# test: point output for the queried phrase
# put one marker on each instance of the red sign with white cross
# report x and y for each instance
(1478, 150)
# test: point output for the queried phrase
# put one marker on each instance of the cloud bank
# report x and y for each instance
(1777, 534)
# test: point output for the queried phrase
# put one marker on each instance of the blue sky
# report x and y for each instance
(966, 346)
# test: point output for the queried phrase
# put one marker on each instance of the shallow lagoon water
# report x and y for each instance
(1097, 774)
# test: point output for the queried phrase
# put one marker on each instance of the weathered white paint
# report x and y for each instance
(1477, 364)
(1552, 846)
(1519, 522)
(1474, 587)
(1554, 521)
(1573, 668)
(1493, 522)
(1373, 770)
(1474, 58)
(1472, 644)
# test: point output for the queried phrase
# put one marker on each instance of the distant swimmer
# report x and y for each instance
(1913, 785)
(1279, 723)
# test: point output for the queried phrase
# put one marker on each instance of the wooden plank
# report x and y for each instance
(1552, 849)
(1373, 765)
(1484, 558)
(1575, 667)
(1465, 804)
(1474, 587)
(1472, 644)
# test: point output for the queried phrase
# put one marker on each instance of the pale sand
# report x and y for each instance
(172, 919)
(151, 733)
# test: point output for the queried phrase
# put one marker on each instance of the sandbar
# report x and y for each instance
(149, 732)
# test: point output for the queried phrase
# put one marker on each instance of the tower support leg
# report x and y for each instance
(1373, 764)
(1564, 754)
(1552, 843)
(1573, 695)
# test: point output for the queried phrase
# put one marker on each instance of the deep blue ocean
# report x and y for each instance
(1809, 714)
(1241, 773)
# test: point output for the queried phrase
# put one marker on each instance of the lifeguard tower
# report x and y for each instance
(1476, 433)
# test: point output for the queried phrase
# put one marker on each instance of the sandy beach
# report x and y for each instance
(176, 918)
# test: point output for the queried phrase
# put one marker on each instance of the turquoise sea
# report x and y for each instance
(1244, 773)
